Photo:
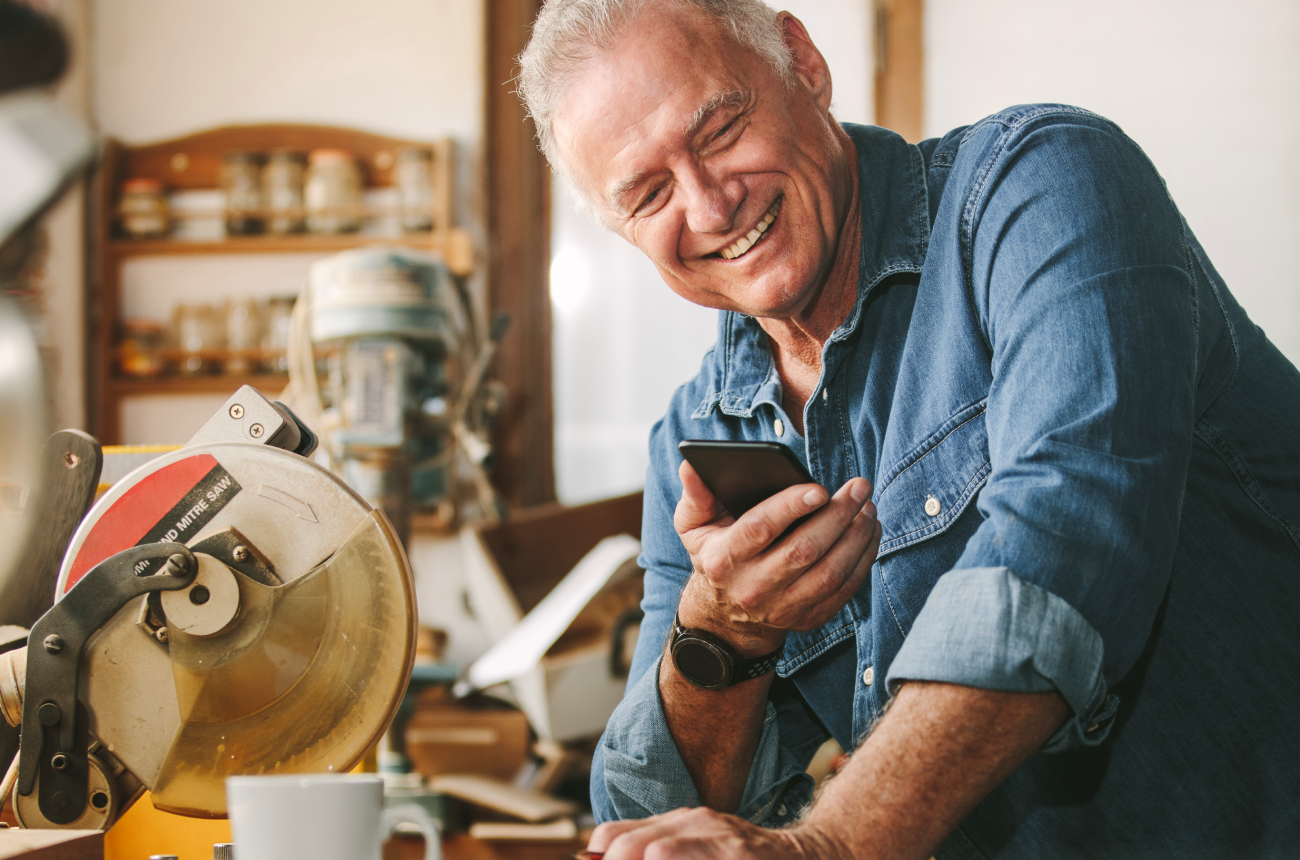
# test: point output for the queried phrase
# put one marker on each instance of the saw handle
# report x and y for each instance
(55, 731)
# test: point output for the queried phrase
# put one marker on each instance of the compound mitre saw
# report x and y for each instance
(228, 608)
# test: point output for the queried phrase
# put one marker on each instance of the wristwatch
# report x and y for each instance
(708, 661)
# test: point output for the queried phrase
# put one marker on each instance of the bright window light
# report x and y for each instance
(569, 277)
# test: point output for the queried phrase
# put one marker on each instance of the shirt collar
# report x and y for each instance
(895, 233)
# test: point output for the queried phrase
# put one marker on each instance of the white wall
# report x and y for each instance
(622, 340)
(1210, 89)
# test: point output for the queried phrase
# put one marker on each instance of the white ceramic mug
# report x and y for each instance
(320, 816)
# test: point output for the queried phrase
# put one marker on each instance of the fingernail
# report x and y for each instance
(813, 498)
(858, 491)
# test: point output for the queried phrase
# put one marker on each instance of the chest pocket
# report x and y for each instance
(925, 493)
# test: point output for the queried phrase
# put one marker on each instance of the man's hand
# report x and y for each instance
(688, 834)
(755, 582)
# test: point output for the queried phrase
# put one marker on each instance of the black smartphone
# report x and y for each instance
(742, 474)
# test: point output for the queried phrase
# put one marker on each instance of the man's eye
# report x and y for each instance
(725, 130)
(649, 200)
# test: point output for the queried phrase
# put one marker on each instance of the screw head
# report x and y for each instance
(177, 565)
(53, 643)
(61, 800)
(160, 634)
(240, 553)
(256, 431)
(49, 714)
(70, 459)
(236, 411)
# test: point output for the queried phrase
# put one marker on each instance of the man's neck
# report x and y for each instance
(797, 340)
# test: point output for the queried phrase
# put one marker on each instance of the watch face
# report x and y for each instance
(701, 663)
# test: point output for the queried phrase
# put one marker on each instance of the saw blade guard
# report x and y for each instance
(307, 646)
(306, 682)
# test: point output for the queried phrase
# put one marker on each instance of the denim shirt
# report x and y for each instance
(1086, 462)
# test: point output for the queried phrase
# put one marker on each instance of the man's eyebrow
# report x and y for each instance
(619, 191)
(728, 98)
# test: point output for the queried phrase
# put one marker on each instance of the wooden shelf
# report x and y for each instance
(270, 384)
(194, 163)
(454, 246)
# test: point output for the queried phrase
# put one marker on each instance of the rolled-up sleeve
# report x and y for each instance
(642, 773)
(1078, 265)
(987, 628)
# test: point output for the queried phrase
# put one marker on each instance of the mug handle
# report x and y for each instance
(411, 813)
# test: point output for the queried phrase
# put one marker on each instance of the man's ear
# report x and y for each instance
(809, 65)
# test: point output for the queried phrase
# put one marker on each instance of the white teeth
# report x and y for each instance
(746, 242)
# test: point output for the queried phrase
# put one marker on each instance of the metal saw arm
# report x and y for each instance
(55, 736)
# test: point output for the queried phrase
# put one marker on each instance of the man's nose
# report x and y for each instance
(710, 204)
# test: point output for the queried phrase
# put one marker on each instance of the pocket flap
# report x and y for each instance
(928, 489)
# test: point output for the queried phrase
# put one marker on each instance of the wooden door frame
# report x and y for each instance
(519, 254)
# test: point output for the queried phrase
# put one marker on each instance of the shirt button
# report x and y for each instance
(779, 426)
(869, 676)
(826, 394)
(782, 810)
(932, 506)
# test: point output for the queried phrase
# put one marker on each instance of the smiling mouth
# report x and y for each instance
(742, 245)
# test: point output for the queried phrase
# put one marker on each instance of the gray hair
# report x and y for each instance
(568, 33)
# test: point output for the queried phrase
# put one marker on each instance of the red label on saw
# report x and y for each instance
(170, 504)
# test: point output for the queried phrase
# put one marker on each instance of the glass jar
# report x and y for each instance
(139, 353)
(243, 335)
(241, 179)
(275, 337)
(414, 172)
(282, 187)
(199, 333)
(333, 192)
(143, 209)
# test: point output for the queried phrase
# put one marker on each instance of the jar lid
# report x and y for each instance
(287, 155)
(141, 185)
(243, 156)
(331, 156)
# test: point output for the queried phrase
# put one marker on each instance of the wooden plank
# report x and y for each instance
(51, 844)
(900, 67)
(519, 239)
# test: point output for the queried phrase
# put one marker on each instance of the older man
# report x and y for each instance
(1058, 620)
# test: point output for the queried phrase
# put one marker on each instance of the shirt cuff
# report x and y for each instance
(988, 628)
(644, 774)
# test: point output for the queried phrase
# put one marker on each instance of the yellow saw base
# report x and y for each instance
(144, 831)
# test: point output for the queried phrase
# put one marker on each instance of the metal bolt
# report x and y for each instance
(61, 800)
(99, 800)
(256, 431)
(177, 565)
(49, 714)
(200, 595)
(240, 553)
(236, 411)
(160, 634)
(59, 761)
(54, 643)
(70, 459)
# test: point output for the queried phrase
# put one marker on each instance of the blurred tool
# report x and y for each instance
(405, 385)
